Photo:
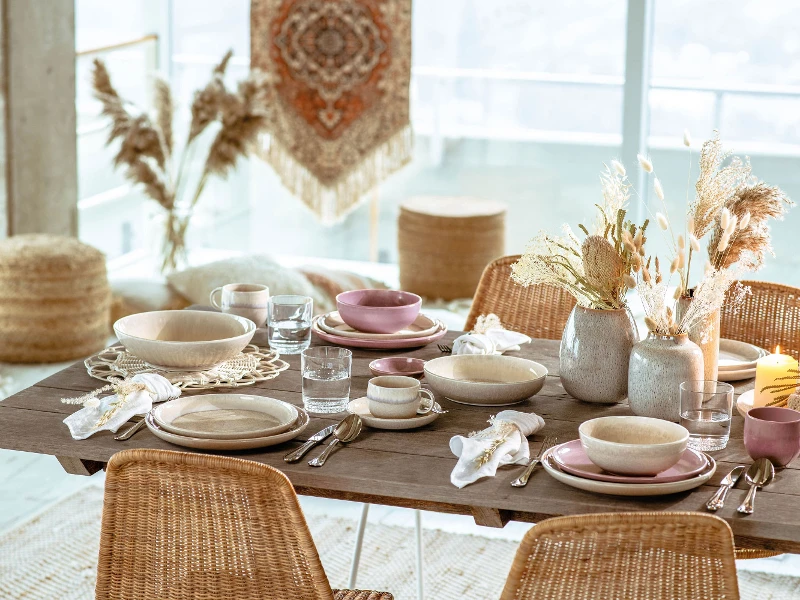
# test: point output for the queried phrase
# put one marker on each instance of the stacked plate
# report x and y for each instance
(425, 330)
(226, 422)
(569, 464)
(737, 360)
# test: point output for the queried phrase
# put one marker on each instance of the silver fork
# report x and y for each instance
(522, 480)
(445, 349)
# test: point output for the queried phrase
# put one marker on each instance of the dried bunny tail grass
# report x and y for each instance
(207, 101)
(164, 112)
(602, 264)
(619, 168)
(716, 184)
(645, 163)
(747, 246)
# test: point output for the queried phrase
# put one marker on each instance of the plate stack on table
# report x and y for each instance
(423, 331)
(226, 422)
(737, 360)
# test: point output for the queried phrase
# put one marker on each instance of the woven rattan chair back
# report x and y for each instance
(540, 311)
(192, 526)
(768, 316)
(636, 556)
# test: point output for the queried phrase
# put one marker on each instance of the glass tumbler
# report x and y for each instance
(326, 378)
(706, 408)
(289, 323)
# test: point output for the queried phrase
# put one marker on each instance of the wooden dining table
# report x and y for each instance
(412, 468)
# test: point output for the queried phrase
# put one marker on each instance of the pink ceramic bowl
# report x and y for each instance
(378, 311)
(398, 365)
(772, 432)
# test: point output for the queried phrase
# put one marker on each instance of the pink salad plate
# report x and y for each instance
(398, 365)
(572, 459)
(391, 344)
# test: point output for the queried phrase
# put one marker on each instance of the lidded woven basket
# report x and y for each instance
(54, 299)
(444, 243)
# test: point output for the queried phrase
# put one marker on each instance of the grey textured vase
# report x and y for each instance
(706, 335)
(658, 366)
(595, 348)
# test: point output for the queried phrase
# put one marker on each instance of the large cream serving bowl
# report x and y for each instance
(485, 380)
(184, 340)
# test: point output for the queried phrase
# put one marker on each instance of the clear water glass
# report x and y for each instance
(326, 379)
(706, 408)
(289, 323)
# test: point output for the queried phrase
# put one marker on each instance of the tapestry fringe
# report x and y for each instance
(331, 204)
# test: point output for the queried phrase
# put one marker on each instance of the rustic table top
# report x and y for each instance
(412, 468)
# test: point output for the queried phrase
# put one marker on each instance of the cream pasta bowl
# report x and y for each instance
(485, 380)
(633, 445)
(184, 340)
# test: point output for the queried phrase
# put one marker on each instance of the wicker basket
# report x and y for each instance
(445, 243)
(54, 299)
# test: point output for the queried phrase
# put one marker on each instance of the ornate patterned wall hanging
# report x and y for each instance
(341, 72)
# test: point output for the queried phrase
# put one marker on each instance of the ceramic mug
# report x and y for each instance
(395, 396)
(248, 300)
(772, 432)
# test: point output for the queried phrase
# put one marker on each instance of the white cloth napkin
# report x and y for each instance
(83, 423)
(503, 443)
(494, 341)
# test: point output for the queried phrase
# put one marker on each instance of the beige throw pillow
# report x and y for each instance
(196, 283)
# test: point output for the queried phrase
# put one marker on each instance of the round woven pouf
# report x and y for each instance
(444, 243)
(54, 299)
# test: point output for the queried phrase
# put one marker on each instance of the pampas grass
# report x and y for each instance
(147, 147)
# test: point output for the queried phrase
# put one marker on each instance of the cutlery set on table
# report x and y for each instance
(758, 475)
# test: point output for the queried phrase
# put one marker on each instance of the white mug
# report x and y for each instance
(395, 396)
(248, 300)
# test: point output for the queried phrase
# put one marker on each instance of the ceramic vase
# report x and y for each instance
(706, 335)
(658, 366)
(595, 348)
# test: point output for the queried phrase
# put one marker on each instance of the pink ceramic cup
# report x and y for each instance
(774, 433)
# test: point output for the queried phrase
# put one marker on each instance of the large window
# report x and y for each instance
(513, 100)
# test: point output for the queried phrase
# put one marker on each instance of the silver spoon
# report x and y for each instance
(758, 475)
(345, 432)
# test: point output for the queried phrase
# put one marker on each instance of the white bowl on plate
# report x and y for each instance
(485, 380)
(633, 445)
(184, 340)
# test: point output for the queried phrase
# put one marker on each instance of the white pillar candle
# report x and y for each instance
(769, 371)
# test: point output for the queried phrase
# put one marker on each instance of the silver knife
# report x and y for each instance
(718, 499)
(315, 439)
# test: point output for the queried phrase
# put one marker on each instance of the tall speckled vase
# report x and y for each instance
(706, 335)
(595, 348)
(658, 366)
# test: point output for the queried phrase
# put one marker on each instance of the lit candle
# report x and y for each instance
(769, 371)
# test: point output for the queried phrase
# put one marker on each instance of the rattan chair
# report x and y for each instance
(192, 526)
(767, 317)
(636, 556)
(540, 311)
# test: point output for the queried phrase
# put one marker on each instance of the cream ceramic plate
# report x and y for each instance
(627, 489)
(485, 380)
(227, 445)
(225, 416)
(422, 327)
(745, 402)
(360, 407)
(736, 375)
(184, 340)
(738, 356)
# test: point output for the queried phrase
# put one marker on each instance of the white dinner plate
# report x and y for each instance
(737, 356)
(745, 402)
(736, 375)
(423, 326)
(227, 445)
(225, 416)
(360, 407)
(626, 489)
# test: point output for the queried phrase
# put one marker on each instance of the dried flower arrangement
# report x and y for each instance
(598, 271)
(732, 208)
(147, 150)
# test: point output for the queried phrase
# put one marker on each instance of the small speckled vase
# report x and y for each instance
(658, 366)
(593, 359)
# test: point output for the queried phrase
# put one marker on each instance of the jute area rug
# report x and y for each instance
(54, 555)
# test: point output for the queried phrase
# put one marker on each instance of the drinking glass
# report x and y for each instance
(326, 378)
(289, 323)
(706, 412)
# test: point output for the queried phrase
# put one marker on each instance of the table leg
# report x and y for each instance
(420, 557)
(78, 466)
(362, 525)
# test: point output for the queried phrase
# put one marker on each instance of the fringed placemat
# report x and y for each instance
(341, 108)
(252, 365)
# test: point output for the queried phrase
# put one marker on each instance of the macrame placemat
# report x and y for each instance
(252, 365)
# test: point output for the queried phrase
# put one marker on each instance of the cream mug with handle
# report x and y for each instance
(396, 396)
(248, 300)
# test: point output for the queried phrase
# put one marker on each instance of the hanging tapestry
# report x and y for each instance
(341, 71)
